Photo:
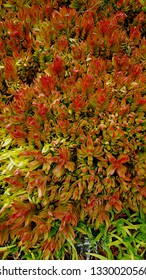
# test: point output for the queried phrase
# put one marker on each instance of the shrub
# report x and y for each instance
(72, 120)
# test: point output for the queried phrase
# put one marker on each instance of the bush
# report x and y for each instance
(72, 123)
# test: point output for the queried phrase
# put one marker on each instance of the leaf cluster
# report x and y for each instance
(72, 125)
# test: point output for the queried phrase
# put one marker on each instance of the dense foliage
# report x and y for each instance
(72, 128)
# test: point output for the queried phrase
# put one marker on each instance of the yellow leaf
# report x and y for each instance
(70, 166)
(34, 165)
(6, 248)
(90, 160)
(58, 171)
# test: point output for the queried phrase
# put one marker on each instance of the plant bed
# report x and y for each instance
(72, 130)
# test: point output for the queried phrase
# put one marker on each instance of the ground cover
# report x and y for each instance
(72, 129)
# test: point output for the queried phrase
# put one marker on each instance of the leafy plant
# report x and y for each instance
(72, 129)
(121, 242)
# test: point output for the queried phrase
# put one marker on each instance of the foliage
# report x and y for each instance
(125, 239)
(72, 126)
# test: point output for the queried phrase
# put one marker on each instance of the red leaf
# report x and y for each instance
(47, 82)
(111, 158)
(114, 201)
(10, 70)
(58, 65)
(122, 158)
(120, 16)
(78, 103)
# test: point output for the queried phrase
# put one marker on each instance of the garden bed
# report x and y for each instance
(72, 129)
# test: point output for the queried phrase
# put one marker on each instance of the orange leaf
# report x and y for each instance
(70, 166)
(59, 170)
(111, 169)
(118, 205)
(90, 143)
(64, 153)
(104, 217)
(111, 158)
(122, 158)
(121, 170)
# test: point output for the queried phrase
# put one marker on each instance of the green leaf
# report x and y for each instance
(81, 230)
(76, 4)
(6, 248)
(53, 231)
(143, 2)
(46, 148)
(100, 257)
(143, 228)
(74, 251)
(8, 5)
